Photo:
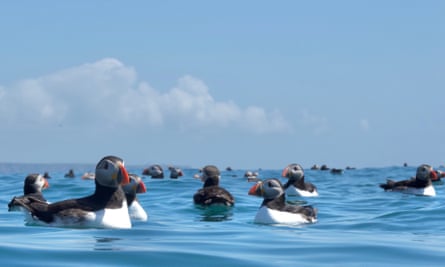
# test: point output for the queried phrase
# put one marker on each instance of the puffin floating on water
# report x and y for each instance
(155, 171)
(296, 186)
(274, 209)
(105, 208)
(212, 193)
(136, 186)
(175, 172)
(421, 184)
(252, 176)
(32, 188)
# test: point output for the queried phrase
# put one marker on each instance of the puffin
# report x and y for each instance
(420, 185)
(175, 173)
(251, 176)
(336, 171)
(136, 186)
(296, 186)
(88, 176)
(212, 193)
(274, 209)
(70, 174)
(105, 208)
(155, 171)
(33, 185)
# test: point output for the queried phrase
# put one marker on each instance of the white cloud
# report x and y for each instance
(107, 93)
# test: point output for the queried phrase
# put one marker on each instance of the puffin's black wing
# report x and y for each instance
(213, 195)
(35, 206)
(306, 210)
(310, 187)
(391, 184)
(25, 200)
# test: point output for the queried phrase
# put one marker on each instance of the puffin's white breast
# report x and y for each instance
(137, 212)
(293, 191)
(426, 191)
(270, 216)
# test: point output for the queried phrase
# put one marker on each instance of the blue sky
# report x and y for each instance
(247, 84)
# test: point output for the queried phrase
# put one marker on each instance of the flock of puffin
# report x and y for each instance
(114, 203)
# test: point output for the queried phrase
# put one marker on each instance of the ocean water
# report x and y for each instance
(358, 224)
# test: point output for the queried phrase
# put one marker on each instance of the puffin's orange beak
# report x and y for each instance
(45, 184)
(141, 188)
(285, 172)
(256, 189)
(433, 176)
(125, 176)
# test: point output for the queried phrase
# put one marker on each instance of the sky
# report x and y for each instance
(246, 84)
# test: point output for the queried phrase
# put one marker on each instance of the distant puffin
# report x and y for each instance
(32, 188)
(421, 184)
(88, 176)
(274, 209)
(251, 176)
(296, 186)
(336, 171)
(175, 173)
(212, 193)
(70, 174)
(324, 167)
(155, 171)
(105, 208)
(136, 186)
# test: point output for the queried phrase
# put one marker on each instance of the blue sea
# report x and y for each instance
(358, 224)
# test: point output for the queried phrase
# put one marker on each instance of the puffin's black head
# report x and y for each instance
(425, 172)
(210, 175)
(110, 172)
(34, 183)
(293, 171)
(268, 189)
(136, 185)
(175, 172)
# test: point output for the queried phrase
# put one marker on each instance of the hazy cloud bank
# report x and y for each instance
(107, 93)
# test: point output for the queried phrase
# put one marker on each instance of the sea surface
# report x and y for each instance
(358, 224)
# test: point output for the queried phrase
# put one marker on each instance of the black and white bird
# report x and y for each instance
(212, 193)
(252, 176)
(274, 209)
(32, 188)
(421, 184)
(105, 208)
(155, 171)
(296, 186)
(136, 186)
(175, 172)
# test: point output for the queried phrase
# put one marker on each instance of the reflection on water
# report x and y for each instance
(215, 213)
(106, 244)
